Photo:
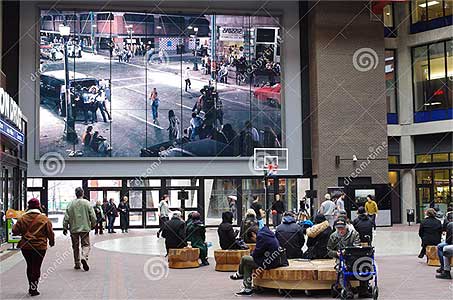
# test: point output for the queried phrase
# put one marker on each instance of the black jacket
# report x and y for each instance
(249, 225)
(364, 226)
(227, 236)
(174, 232)
(279, 206)
(430, 231)
(291, 237)
(449, 239)
(317, 246)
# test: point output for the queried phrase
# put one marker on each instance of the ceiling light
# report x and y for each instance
(430, 3)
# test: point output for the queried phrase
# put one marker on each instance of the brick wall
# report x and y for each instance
(349, 108)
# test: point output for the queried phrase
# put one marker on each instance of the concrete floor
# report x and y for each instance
(126, 266)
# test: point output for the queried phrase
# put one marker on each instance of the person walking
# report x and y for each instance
(154, 105)
(371, 209)
(35, 229)
(328, 209)
(187, 78)
(124, 209)
(277, 208)
(79, 219)
(164, 213)
(112, 213)
(98, 211)
(173, 127)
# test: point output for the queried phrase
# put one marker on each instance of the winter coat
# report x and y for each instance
(278, 206)
(268, 254)
(227, 236)
(174, 233)
(196, 234)
(79, 216)
(364, 226)
(449, 237)
(99, 213)
(249, 225)
(35, 229)
(110, 209)
(291, 237)
(124, 208)
(430, 231)
(318, 237)
(337, 242)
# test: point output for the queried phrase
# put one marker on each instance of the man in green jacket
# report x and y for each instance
(79, 219)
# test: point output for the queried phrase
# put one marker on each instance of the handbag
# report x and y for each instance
(241, 245)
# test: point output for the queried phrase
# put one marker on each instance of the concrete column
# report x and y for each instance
(407, 177)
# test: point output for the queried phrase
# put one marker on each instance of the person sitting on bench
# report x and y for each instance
(196, 234)
(318, 237)
(364, 226)
(267, 255)
(174, 232)
(227, 235)
(290, 236)
(446, 253)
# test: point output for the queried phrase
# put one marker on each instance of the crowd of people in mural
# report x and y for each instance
(294, 235)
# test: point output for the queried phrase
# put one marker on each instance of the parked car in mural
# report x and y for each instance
(269, 94)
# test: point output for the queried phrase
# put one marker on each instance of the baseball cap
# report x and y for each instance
(340, 222)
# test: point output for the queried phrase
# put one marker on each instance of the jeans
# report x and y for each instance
(104, 111)
(440, 253)
(154, 111)
(111, 220)
(373, 219)
(80, 239)
(188, 84)
(448, 253)
(276, 219)
(34, 260)
(246, 267)
(98, 227)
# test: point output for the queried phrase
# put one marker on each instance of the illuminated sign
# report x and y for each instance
(10, 131)
(10, 110)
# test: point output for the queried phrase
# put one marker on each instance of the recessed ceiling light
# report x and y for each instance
(430, 3)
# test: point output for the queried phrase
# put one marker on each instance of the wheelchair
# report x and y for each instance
(356, 264)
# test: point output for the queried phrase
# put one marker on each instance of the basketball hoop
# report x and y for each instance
(272, 169)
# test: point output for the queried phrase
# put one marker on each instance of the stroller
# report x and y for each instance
(358, 264)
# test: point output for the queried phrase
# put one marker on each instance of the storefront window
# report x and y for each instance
(390, 81)
(425, 10)
(423, 158)
(152, 199)
(220, 196)
(135, 199)
(419, 13)
(435, 9)
(60, 194)
(440, 157)
(442, 189)
(34, 182)
(424, 177)
(250, 188)
(393, 159)
(104, 183)
(140, 182)
(393, 178)
(431, 93)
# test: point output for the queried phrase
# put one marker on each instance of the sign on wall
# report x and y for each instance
(231, 34)
(9, 109)
(10, 131)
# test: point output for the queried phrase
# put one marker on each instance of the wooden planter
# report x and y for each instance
(228, 260)
(183, 258)
(251, 247)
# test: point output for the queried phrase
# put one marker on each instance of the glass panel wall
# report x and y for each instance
(60, 194)
(220, 196)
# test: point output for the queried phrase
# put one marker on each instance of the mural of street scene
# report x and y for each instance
(120, 84)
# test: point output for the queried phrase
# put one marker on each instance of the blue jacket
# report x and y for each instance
(266, 253)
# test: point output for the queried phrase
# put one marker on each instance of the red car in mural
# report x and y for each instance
(269, 94)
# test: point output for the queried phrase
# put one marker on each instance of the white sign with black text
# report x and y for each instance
(231, 34)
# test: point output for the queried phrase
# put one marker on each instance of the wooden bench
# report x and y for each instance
(299, 275)
(433, 258)
(183, 258)
(228, 260)
(251, 247)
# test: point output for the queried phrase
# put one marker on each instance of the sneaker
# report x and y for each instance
(77, 267)
(85, 264)
(439, 270)
(204, 263)
(245, 292)
(236, 276)
(34, 293)
(444, 275)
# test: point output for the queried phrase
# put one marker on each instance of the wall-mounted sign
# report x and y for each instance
(231, 34)
(9, 109)
(12, 132)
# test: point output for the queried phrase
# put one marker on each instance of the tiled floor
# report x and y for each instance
(126, 266)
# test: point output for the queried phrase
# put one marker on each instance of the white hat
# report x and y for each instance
(327, 196)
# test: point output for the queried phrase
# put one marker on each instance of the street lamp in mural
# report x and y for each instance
(70, 133)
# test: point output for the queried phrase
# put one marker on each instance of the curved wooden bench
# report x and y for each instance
(299, 275)
(183, 258)
(228, 260)
(433, 258)
(251, 247)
